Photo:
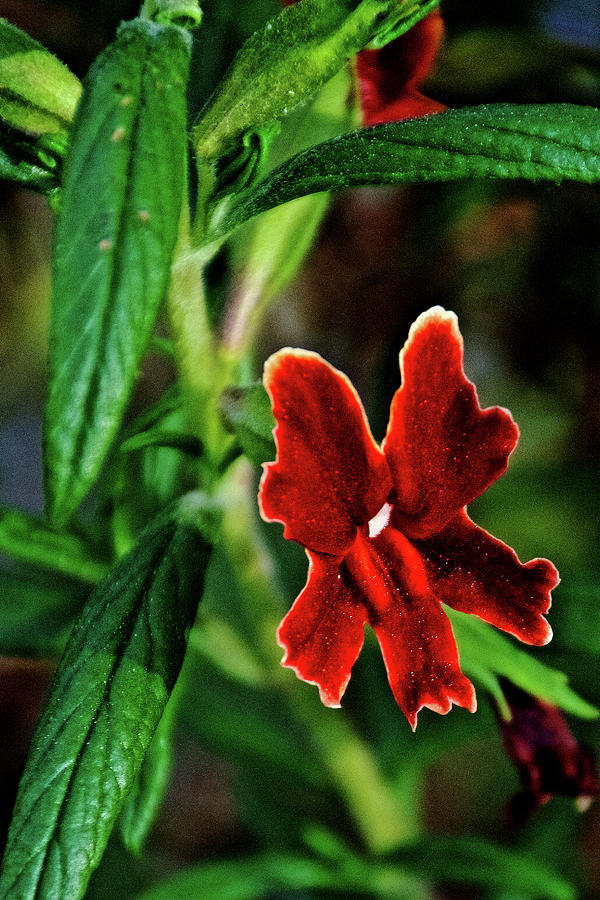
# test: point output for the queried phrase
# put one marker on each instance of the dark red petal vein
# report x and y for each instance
(324, 630)
(416, 640)
(329, 475)
(442, 448)
(475, 573)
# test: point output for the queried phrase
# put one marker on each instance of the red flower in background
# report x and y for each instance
(548, 756)
(389, 78)
(385, 529)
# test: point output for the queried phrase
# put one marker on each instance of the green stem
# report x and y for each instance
(205, 370)
(344, 755)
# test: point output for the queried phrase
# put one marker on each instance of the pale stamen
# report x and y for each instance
(380, 520)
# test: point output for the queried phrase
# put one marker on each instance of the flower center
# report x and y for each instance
(380, 520)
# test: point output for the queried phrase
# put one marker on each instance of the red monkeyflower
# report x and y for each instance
(548, 756)
(389, 78)
(385, 528)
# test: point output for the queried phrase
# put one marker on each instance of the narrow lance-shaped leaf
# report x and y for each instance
(114, 242)
(552, 142)
(26, 538)
(487, 654)
(108, 695)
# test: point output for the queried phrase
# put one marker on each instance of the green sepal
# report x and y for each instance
(247, 412)
(27, 163)
(537, 142)
(109, 692)
(283, 65)
(486, 654)
(114, 242)
(184, 13)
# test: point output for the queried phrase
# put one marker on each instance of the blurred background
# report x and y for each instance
(520, 264)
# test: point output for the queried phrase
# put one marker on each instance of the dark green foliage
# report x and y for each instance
(247, 411)
(535, 143)
(119, 667)
(115, 237)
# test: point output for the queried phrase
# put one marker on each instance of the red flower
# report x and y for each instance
(389, 78)
(548, 756)
(385, 529)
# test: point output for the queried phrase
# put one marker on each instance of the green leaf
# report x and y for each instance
(36, 612)
(143, 803)
(470, 860)
(483, 649)
(284, 64)
(109, 692)
(29, 539)
(160, 437)
(246, 879)
(115, 237)
(38, 97)
(247, 412)
(434, 858)
(550, 142)
(38, 94)
(407, 15)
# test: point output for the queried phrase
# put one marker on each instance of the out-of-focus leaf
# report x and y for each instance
(254, 879)
(552, 142)
(161, 437)
(247, 411)
(36, 612)
(448, 859)
(29, 539)
(115, 236)
(492, 652)
(435, 858)
(109, 692)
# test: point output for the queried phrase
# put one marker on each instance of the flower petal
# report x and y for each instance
(416, 640)
(388, 78)
(324, 630)
(475, 573)
(329, 475)
(549, 758)
(442, 448)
